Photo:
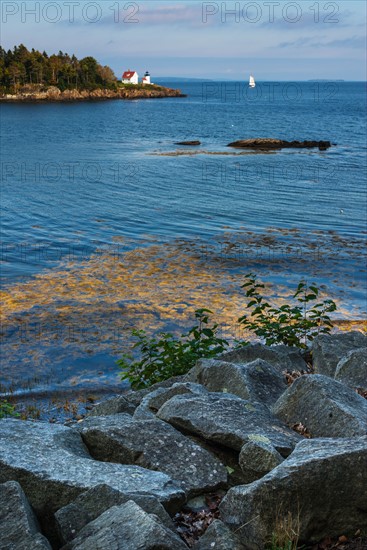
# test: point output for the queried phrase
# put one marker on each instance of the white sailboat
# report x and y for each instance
(252, 82)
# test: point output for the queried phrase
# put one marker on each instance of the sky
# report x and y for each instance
(274, 40)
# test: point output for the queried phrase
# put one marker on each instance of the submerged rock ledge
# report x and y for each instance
(55, 94)
(280, 454)
(270, 143)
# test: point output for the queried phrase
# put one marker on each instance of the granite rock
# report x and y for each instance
(329, 349)
(324, 406)
(19, 529)
(352, 369)
(88, 506)
(228, 420)
(126, 527)
(256, 459)
(53, 466)
(255, 381)
(155, 445)
(320, 488)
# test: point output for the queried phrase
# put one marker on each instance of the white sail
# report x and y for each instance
(252, 82)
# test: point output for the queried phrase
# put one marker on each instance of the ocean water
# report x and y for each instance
(107, 224)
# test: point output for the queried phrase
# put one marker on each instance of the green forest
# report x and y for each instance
(20, 67)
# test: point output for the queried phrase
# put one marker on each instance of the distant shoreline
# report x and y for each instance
(54, 94)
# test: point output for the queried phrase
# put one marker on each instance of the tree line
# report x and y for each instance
(20, 67)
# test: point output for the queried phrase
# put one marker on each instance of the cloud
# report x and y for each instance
(356, 42)
(317, 20)
(171, 14)
(150, 15)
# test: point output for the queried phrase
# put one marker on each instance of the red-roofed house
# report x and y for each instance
(130, 77)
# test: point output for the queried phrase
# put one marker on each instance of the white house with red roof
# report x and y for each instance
(130, 77)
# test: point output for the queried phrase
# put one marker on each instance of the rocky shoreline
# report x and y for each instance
(283, 446)
(55, 94)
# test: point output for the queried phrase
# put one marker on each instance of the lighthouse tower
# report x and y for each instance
(146, 78)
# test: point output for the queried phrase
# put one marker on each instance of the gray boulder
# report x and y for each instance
(326, 407)
(318, 491)
(280, 357)
(130, 400)
(218, 537)
(228, 420)
(155, 445)
(329, 349)
(19, 529)
(126, 527)
(352, 369)
(71, 519)
(155, 399)
(54, 467)
(256, 381)
(114, 405)
(257, 459)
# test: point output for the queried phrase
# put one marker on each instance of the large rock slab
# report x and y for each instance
(322, 484)
(155, 445)
(218, 537)
(126, 527)
(280, 357)
(88, 506)
(53, 466)
(326, 407)
(352, 369)
(329, 349)
(19, 529)
(256, 381)
(228, 420)
(155, 399)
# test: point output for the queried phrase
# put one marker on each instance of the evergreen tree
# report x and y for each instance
(20, 67)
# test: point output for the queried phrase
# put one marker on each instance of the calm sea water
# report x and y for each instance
(82, 178)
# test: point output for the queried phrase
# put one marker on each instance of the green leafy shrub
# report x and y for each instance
(166, 355)
(292, 325)
(6, 409)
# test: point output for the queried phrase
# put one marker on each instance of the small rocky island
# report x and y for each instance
(268, 144)
(255, 448)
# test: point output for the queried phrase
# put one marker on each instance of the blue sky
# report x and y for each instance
(275, 40)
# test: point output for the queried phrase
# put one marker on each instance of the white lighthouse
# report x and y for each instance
(146, 78)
